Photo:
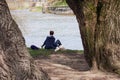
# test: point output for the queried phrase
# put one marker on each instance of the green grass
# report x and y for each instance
(45, 52)
(61, 3)
(36, 9)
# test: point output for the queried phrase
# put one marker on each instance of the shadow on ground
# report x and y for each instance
(74, 60)
(70, 66)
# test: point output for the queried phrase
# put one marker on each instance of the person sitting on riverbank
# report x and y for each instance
(50, 42)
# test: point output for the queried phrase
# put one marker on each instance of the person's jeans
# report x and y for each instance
(34, 47)
(57, 43)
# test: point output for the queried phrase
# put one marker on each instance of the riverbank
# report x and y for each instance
(59, 7)
(68, 65)
(58, 10)
(46, 53)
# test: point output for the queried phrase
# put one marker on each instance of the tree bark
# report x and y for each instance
(15, 61)
(99, 24)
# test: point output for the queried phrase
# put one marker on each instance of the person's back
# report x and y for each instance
(49, 42)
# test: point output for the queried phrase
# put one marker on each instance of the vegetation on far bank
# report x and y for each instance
(60, 3)
(45, 52)
(36, 9)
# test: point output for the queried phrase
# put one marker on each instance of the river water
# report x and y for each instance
(35, 26)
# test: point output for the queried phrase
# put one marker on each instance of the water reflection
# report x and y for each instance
(35, 27)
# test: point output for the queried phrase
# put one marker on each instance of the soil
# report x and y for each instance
(71, 66)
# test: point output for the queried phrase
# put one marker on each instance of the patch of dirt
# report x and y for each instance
(71, 66)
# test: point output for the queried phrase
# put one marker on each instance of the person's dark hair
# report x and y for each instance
(51, 32)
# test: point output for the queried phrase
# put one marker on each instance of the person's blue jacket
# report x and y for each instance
(49, 43)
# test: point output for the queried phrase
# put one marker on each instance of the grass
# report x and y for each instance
(60, 3)
(45, 52)
(36, 9)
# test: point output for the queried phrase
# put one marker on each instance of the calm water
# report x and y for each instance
(35, 26)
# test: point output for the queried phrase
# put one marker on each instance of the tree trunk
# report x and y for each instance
(99, 24)
(15, 61)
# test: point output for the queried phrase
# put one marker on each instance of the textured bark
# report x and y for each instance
(15, 61)
(99, 24)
